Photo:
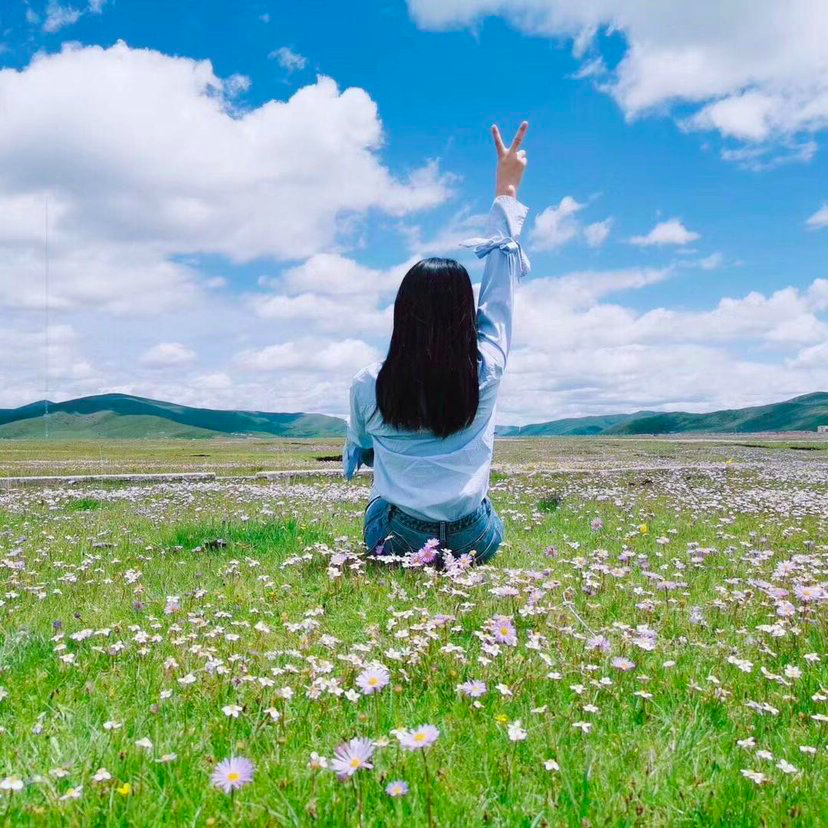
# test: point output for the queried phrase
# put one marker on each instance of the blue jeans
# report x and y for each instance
(390, 531)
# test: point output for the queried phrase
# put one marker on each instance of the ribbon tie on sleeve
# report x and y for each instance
(482, 247)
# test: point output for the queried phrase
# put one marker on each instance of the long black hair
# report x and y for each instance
(429, 380)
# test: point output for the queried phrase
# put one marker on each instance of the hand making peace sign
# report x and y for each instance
(511, 162)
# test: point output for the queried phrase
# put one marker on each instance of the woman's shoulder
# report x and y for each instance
(366, 378)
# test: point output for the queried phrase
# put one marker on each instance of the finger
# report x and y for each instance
(521, 133)
(499, 145)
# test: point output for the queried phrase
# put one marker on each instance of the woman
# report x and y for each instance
(425, 417)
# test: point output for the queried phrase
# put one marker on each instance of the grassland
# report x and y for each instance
(669, 666)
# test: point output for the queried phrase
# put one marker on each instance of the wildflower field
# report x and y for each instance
(649, 648)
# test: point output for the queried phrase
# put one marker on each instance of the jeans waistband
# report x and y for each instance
(436, 527)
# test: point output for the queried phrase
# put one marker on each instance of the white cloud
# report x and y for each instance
(578, 353)
(556, 226)
(819, 218)
(344, 357)
(59, 16)
(166, 354)
(666, 232)
(752, 71)
(288, 59)
(284, 180)
(711, 262)
(597, 233)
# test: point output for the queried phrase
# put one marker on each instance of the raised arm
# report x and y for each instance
(505, 260)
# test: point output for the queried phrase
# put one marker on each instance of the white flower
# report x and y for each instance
(113, 725)
(516, 731)
(231, 710)
(786, 767)
(72, 793)
(754, 776)
(144, 743)
(551, 765)
(102, 775)
(11, 783)
(187, 680)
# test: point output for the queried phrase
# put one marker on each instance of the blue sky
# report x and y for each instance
(177, 273)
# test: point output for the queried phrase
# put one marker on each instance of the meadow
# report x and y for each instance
(650, 646)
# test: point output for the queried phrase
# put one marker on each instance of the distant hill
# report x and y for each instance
(122, 416)
(803, 413)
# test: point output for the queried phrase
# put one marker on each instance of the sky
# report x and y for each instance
(213, 202)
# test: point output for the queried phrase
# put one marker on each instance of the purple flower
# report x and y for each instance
(503, 629)
(232, 774)
(396, 788)
(599, 642)
(597, 524)
(351, 757)
(372, 679)
(427, 554)
(473, 688)
(419, 738)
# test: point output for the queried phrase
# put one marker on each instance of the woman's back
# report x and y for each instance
(437, 478)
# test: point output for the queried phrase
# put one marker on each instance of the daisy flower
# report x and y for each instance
(373, 679)
(352, 756)
(504, 630)
(232, 774)
(419, 738)
(396, 789)
(474, 689)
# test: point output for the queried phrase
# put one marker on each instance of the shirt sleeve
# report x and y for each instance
(358, 450)
(505, 264)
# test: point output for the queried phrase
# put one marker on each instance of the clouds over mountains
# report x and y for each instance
(146, 166)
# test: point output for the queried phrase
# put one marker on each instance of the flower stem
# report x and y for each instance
(428, 791)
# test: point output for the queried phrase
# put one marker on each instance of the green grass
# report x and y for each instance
(240, 555)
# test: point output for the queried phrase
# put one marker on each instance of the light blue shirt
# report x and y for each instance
(445, 478)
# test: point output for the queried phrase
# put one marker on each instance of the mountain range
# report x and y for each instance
(122, 416)
(803, 413)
